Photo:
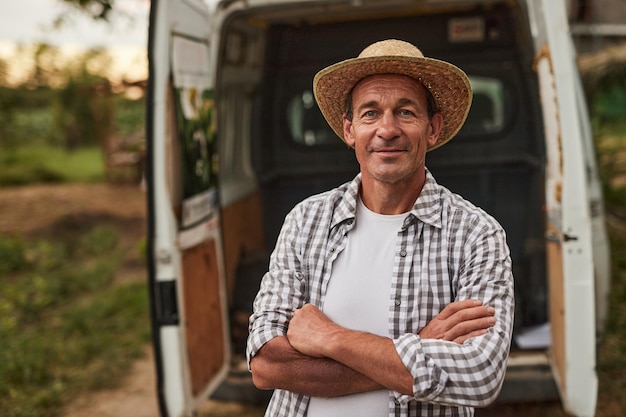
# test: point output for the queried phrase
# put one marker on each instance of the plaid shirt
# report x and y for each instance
(447, 250)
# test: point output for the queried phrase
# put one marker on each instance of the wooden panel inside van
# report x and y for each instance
(556, 305)
(243, 234)
(203, 314)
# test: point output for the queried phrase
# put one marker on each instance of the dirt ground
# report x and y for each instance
(33, 208)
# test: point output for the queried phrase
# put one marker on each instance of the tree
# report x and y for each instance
(101, 10)
(97, 9)
(84, 105)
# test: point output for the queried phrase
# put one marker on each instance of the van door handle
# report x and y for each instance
(567, 238)
(553, 237)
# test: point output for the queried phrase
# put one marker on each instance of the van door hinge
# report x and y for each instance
(552, 237)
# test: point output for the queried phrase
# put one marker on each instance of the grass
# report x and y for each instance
(29, 164)
(65, 326)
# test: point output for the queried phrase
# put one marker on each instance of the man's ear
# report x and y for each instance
(348, 136)
(436, 124)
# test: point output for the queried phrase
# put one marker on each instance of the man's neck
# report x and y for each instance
(390, 198)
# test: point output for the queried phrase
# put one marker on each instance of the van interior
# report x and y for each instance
(276, 148)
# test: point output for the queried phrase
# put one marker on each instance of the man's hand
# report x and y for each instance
(308, 330)
(459, 321)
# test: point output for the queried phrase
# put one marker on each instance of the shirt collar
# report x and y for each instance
(427, 207)
(346, 202)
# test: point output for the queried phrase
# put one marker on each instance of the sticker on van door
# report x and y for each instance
(466, 29)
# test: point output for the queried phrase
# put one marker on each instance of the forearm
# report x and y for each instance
(277, 365)
(312, 333)
(470, 374)
(373, 356)
(401, 368)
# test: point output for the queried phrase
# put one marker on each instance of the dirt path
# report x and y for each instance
(135, 398)
(28, 209)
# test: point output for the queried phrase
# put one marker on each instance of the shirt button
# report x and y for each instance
(403, 253)
(397, 301)
(332, 249)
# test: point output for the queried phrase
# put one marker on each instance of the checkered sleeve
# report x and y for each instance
(282, 290)
(471, 373)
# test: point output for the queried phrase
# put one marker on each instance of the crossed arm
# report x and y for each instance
(320, 358)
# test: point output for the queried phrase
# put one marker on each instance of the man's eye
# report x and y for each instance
(405, 112)
(370, 113)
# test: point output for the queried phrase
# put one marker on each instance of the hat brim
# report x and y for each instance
(448, 85)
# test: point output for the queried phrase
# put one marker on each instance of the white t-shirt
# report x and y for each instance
(358, 297)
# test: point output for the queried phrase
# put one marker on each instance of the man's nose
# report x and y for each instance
(388, 126)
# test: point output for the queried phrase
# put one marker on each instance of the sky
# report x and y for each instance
(28, 21)
(31, 21)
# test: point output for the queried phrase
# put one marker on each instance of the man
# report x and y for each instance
(388, 295)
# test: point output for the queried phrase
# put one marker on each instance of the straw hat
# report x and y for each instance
(448, 84)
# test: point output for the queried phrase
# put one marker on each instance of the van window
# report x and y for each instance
(308, 127)
(486, 115)
(306, 123)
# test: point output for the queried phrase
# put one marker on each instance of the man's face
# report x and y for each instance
(390, 129)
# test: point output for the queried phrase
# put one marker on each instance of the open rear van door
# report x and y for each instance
(571, 193)
(186, 274)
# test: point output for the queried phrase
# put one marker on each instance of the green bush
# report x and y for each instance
(129, 116)
(609, 104)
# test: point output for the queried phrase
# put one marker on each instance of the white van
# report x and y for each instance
(235, 140)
